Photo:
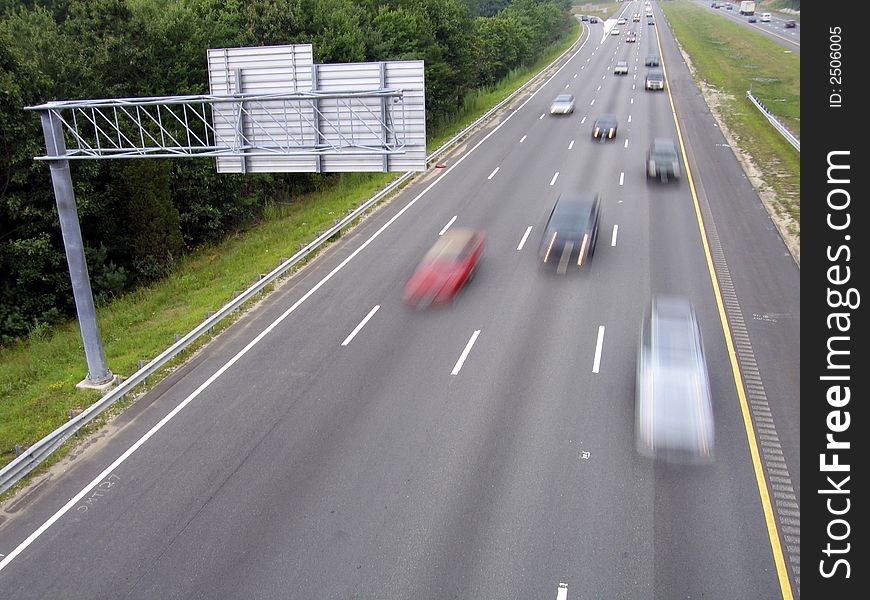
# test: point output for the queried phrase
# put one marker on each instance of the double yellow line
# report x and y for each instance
(763, 491)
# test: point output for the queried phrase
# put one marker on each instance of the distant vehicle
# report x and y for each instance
(751, 20)
(563, 104)
(593, 19)
(765, 17)
(790, 24)
(655, 80)
(572, 231)
(614, 31)
(584, 17)
(636, 17)
(649, 21)
(621, 21)
(651, 61)
(662, 161)
(604, 128)
(673, 400)
(631, 36)
(714, 5)
(445, 269)
(747, 8)
(729, 7)
(621, 68)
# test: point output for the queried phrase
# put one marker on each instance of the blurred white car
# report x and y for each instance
(562, 105)
(674, 409)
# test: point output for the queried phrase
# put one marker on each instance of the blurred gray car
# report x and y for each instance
(673, 409)
(562, 105)
(662, 161)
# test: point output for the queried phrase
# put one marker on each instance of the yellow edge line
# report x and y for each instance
(763, 492)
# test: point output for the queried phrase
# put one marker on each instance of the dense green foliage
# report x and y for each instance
(139, 216)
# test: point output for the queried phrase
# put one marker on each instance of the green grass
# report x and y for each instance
(38, 375)
(733, 59)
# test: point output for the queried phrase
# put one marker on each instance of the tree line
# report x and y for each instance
(139, 216)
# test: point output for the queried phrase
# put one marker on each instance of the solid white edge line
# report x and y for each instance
(596, 363)
(491, 175)
(525, 237)
(613, 238)
(446, 227)
(465, 352)
(553, 180)
(361, 325)
(120, 460)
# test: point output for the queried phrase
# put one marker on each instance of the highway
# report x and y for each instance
(336, 444)
(774, 29)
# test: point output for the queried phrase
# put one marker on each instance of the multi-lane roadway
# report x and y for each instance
(335, 444)
(775, 29)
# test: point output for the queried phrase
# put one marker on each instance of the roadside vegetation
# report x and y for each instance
(38, 373)
(727, 60)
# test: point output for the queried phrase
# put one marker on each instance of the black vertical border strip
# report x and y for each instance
(826, 254)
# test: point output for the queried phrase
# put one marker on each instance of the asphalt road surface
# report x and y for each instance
(481, 450)
(773, 29)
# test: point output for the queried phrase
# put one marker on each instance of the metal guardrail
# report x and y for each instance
(31, 457)
(794, 141)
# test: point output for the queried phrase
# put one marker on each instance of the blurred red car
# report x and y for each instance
(446, 267)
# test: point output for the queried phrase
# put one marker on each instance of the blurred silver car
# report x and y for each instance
(562, 105)
(673, 409)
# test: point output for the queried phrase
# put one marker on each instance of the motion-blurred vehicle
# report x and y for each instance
(572, 231)
(765, 17)
(636, 18)
(673, 403)
(584, 18)
(650, 21)
(593, 19)
(729, 7)
(655, 80)
(621, 21)
(751, 20)
(621, 68)
(604, 128)
(563, 104)
(631, 36)
(446, 268)
(615, 31)
(651, 61)
(662, 161)
(791, 24)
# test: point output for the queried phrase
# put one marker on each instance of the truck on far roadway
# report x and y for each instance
(747, 8)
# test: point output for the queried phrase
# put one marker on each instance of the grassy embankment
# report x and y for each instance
(729, 59)
(38, 375)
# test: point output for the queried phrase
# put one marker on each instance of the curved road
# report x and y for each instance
(774, 29)
(301, 456)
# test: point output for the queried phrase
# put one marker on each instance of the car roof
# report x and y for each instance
(572, 211)
(655, 74)
(622, 62)
(564, 97)
(605, 119)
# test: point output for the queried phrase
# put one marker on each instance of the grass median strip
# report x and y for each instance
(38, 375)
(728, 59)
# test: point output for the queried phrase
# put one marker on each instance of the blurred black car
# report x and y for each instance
(673, 404)
(662, 161)
(604, 128)
(790, 24)
(651, 61)
(572, 231)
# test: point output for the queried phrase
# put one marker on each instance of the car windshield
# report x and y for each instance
(655, 75)
(563, 98)
(664, 150)
(449, 247)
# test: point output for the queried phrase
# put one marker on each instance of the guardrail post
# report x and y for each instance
(208, 315)
(17, 450)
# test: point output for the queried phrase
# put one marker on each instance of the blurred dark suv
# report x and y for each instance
(572, 231)
(662, 161)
